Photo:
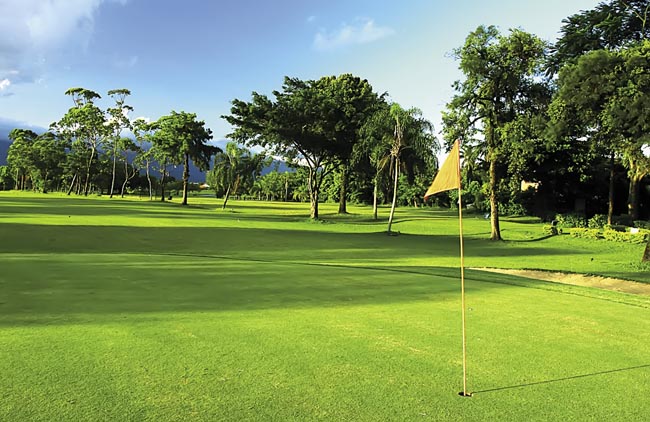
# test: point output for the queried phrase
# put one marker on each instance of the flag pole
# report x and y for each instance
(464, 393)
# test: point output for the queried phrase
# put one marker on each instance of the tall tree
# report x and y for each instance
(184, 138)
(19, 155)
(349, 102)
(605, 95)
(412, 138)
(143, 132)
(295, 125)
(85, 125)
(608, 26)
(118, 121)
(500, 74)
(234, 168)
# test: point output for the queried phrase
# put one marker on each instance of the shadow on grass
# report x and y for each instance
(575, 377)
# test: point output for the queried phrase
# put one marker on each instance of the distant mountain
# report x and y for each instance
(4, 148)
(176, 172)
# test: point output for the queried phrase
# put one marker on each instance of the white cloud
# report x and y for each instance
(32, 30)
(364, 32)
(4, 84)
(126, 63)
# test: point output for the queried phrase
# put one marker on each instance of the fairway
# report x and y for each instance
(138, 310)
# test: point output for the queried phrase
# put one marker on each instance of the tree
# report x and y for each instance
(234, 168)
(127, 145)
(183, 138)
(6, 179)
(143, 132)
(349, 102)
(118, 121)
(375, 146)
(500, 72)
(20, 154)
(413, 137)
(294, 125)
(609, 26)
(605, 95)
(85, 125)
(47, 157)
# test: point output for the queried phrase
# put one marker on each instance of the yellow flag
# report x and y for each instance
(448, 176)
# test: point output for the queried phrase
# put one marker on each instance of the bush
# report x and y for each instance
(585, 233)
(598, 221)
(569, 221)
(617, 236)
(514, 209)
(551, 230)
(642, 224)
(611, 235)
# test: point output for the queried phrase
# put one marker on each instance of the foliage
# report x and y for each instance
(180, 137)
(309, 123)
(611, 235)
(495, 106)
(570, 220)
(598, 221)
(610, 25)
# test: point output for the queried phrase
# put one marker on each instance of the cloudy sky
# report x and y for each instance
(197, 55)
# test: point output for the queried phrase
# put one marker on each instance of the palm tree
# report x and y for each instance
(413, 141)
(234, 167)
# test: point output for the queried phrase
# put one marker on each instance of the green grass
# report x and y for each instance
(131, 310)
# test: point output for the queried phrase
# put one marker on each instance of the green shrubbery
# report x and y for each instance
(612, 235)
(598, 221)
(569, 221)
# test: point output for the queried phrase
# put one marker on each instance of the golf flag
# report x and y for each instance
(448, 176)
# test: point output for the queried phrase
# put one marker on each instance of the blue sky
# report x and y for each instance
(197, 56)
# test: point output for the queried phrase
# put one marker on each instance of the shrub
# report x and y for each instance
(568, 221)
(551, 230)
(598, 221)
(586, 233)
(617, 236)
(642, 224)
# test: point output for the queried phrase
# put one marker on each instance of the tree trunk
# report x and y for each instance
(149, 180)
(646, 254)
(610, 206)
(633, 198)
(286, 188)
(186, 178)
(374, 200)
(72, 184)
(87, 182)
(343, 209)
(494, 206)
(162, 181)
(225, 200)
(114, 165)
(313, 194)
(392, 207)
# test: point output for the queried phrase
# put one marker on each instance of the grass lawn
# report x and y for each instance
(131, 310)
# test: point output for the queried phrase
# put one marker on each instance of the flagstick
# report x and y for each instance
(462, 279)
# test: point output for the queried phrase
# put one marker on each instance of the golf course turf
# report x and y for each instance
(137, 310)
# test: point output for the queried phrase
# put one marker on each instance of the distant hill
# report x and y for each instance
(4, 148)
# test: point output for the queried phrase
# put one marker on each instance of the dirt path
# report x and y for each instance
(606, 283)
